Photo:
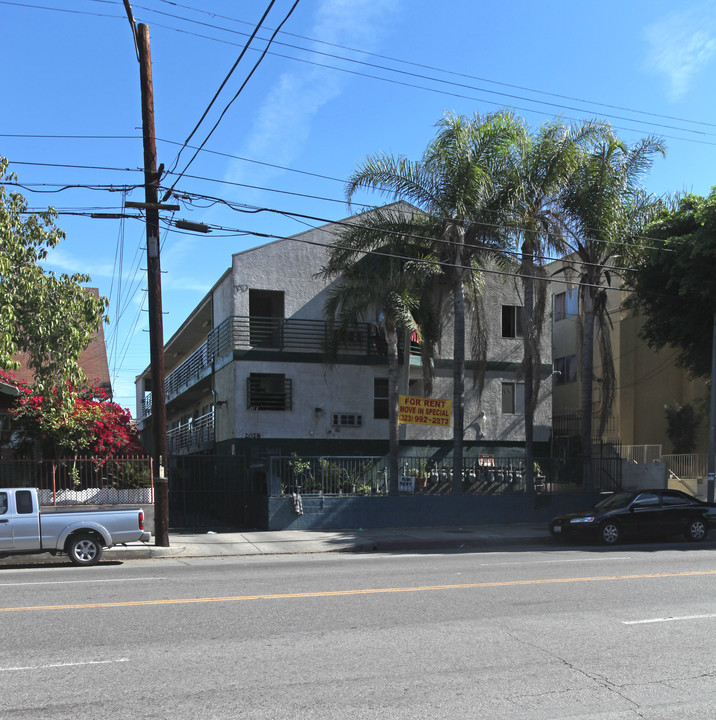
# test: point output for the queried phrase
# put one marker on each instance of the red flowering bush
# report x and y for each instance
(72, 421)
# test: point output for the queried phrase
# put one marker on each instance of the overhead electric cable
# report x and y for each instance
(243, 85)
(437, 69)
(226, 79)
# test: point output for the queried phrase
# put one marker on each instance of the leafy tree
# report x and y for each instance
(675, 282)
(682, 423)
(386, 274)
(51, 318)
(609, 210)
(93, 426)
(544, 165)
(457, 186)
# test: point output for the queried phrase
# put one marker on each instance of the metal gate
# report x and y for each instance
(210, 492)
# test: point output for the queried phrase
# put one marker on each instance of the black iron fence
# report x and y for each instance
(331, 475)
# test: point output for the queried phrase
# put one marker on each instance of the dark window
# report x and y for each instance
(647, 499)
(23, 502)
(513, 398)
(3, 503)
(565, 370)
(512, 321)
(668, 498)
(268, 391)
(380, 398)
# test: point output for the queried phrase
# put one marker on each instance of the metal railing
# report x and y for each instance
(189, 371)
(280, 334)
(690, 466)
(197, 432)
(640, 453)
(83, 480)
(331, 475)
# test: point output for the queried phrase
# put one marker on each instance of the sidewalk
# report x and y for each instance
(294, 542)
(297, 542)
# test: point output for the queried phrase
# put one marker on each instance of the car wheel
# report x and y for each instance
(84, 549)
(696, 530)
(611, 533)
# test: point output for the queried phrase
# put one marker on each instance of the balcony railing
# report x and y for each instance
(279, 334)
(199, 432)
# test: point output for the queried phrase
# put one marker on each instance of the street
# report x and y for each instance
(554, 632)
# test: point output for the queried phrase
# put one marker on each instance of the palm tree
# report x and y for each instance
(382, 271)
(544, 165)
(457, 187)
(609, 210)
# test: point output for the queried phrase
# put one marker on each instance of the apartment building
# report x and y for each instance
(646, 380)
(247, 374)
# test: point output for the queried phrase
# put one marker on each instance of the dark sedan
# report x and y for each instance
(641, 515)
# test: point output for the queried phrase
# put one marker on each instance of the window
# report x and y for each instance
(513, 398)
(23, 502)
(347, 420)
(5, 432)
(380, 398)
(672, 498)
(565, 304)
(512, 321)
(565, 369)
(268, 391)
(3, 503)
(647, 498)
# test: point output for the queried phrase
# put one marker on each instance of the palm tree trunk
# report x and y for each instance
(587, 350)
(393, 405)
(458, 390)
(528, 340)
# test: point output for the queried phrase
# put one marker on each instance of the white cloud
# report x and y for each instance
(682, 45)
(283, 123)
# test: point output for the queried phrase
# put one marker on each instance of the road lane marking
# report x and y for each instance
(668, 619)
(78, 582)
(63, 665)
(367, 591)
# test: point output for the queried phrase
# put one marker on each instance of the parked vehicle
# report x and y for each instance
(80, 534)
(645, 514)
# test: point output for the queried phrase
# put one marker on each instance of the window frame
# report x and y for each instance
(269, 395)
(517, 403)
(512, 321)
(381, 403)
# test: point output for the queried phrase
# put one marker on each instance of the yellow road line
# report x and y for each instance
(367, 591)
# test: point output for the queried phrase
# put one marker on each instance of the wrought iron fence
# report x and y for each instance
(83, 481)
(331, 475)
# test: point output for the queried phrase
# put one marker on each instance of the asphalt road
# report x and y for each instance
(559, 632)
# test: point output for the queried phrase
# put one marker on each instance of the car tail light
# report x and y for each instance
(141, 519)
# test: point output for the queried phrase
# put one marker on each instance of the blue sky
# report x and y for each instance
(344, 79)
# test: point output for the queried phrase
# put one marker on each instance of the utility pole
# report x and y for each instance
(712, 420)
(154, 285)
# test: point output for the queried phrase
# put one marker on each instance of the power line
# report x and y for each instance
(243, 85)
(435, 69)
(226, 79)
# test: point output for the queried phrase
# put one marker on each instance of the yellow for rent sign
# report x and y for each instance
(424, 411)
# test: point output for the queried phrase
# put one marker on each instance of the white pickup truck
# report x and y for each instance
(81, 534)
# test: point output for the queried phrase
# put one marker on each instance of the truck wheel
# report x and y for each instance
(84, 549)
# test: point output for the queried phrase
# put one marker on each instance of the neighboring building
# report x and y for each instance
(93, 360)
(246, 372)
(646, 380)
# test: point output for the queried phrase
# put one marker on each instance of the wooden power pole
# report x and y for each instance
(154, 284)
